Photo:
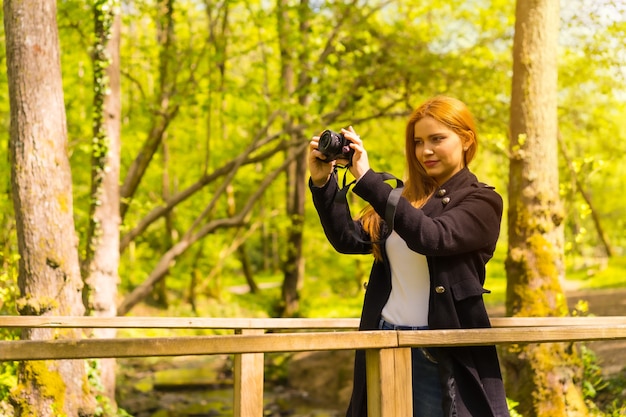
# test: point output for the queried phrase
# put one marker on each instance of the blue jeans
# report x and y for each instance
(427, 396)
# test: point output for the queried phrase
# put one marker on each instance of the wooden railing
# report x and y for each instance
(387, 352)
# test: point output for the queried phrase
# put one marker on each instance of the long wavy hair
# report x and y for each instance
(419, 186)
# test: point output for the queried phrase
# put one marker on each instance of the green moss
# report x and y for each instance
(521, 217)
(544, 256)
(64, 204)
(542, 380)
(35, 306)
(38, 377)
(51, 383)
(535, 290)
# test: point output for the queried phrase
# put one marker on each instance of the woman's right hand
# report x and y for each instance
(320, 169)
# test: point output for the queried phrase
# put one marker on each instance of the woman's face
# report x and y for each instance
(438, 149)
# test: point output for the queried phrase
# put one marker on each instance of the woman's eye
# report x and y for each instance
(418, 141)
(438, 138)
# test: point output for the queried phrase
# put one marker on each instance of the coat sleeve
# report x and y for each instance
(340, 229)
(469, 221)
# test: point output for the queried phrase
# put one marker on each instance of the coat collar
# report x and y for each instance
(461, 179)
(442, 195)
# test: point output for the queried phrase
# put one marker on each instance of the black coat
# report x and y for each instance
(456, 230)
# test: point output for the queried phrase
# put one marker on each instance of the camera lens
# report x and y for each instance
(330, 145)
(334, 145)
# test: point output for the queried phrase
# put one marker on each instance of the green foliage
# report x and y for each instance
(512, 404)
(613, 396)
(8, 380)
(496, 276)
(220, 80)
(593, 380)
(8, 295)
(598, 273)
(592, 89)
(366, 67)
(276, 367)
(224, 73)
(337, 289)
(104, 408)
(604, 395)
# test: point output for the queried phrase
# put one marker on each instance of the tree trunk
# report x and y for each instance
(49, 273)
(167, 59)
(242, 254)
(540, 376)
(293, 268)
(100, 267)
(159, 294)
(166, 110)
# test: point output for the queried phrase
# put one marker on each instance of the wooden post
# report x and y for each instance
(249, 375)
(389, 382)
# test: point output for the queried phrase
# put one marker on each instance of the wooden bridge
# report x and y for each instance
(387, 352)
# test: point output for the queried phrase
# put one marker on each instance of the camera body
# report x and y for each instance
(334, 145)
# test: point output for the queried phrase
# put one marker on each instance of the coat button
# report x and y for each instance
(440, 289)
(445, 200)
(441, 192)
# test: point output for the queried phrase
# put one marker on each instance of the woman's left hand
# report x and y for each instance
(360, 164)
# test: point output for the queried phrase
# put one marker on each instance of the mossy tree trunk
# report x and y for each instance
(49, 272)
(102, 254)
(542, 377)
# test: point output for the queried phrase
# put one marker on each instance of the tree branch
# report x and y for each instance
(169, 258)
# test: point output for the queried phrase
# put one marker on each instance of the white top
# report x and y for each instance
(410, 285)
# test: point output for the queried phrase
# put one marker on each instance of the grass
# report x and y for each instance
(599, 274)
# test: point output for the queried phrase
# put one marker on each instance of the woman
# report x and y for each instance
(429, 271)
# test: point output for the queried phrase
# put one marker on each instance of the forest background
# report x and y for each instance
(220, 98)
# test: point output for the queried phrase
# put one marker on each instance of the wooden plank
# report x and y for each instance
(249, 376)
(389, 382)
(261, 323)
(295, 342)
(556, 321)
(197, 345)
(504, 335)
(403, 382)
(526, 330)
(377, 382)
(176, 322)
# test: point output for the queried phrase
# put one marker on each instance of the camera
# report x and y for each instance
(334, 145)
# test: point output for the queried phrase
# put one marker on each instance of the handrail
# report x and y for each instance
(387, 352)
(129, 322)
(17, 350)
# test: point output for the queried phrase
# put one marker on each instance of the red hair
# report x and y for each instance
(418, 187)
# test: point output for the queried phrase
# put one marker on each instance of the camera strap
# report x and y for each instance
(390, 209)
